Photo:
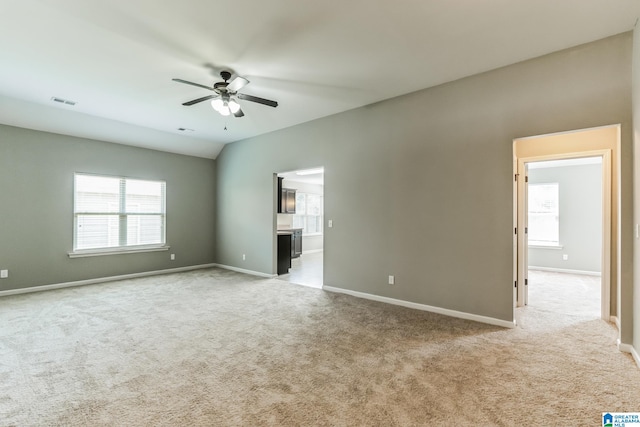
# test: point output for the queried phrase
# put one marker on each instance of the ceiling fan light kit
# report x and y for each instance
(225, 105)
(225, 100)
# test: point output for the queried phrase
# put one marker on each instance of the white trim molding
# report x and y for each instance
(627, 348)
(552, 247)
(615, 321)
(519, 209)
(423, 307)
(242, 270)
(117, 251)
(564, 270)
(102, 280)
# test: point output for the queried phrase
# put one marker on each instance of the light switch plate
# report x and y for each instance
(4, 274)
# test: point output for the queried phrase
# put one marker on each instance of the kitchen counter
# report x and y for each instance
(288, 230)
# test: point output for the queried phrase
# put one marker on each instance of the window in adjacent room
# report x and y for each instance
(308, 214)
(117, 213)
(544, 218)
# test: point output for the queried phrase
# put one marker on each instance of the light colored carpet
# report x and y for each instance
(573, 294)
(217, 348)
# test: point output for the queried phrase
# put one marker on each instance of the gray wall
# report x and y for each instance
(580, 211)
(420, 186)
(36, 207)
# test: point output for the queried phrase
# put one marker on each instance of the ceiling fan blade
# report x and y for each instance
(258, 100)
(239, 113)
(192, 83)
(195, 101)
(237, 84)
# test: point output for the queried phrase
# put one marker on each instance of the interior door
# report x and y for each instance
(515, 234)
(523, 235)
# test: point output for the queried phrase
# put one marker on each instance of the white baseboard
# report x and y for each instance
(627, 348)
(242, 270)
(564, 270)
(423, 307)
(102, 280)
(614, 320)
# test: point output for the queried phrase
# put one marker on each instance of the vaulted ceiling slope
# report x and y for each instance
(116, 59)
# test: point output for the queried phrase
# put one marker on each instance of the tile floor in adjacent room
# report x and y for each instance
(305, 270)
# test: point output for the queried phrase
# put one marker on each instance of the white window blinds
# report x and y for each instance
(544, 218)
(115, 212)
(309, 213)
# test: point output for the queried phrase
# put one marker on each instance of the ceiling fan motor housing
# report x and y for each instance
(225, 91)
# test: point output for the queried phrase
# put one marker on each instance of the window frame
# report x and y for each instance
(545, 243)
(306, 215)
(122, 214)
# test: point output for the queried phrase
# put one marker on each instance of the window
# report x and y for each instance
(308, 214)
(544, 224)
(115, 213)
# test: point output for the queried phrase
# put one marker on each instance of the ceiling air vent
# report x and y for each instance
(63, 101)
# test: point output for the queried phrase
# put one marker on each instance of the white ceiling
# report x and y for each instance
(116, 58)
(306, 177)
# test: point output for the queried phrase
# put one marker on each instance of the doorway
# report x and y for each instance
(564, 236)
(307, 260)
(598, 143)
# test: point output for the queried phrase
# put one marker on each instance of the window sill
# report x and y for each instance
(553, 247)
(117, 251)
(311, 234)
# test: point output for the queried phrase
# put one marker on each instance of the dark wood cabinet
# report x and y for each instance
(286, 199)
(289, 246)
(284, 252)
(279, 204)
(296, 243)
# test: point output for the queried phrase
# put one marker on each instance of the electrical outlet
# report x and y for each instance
(244, 257)
(565, 257)
(173, 257)
(392, 280)
(4, 274)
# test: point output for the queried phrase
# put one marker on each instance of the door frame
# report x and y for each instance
(275, 218)
(520, 257)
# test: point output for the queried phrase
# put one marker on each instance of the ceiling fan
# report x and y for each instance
(225, 99)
